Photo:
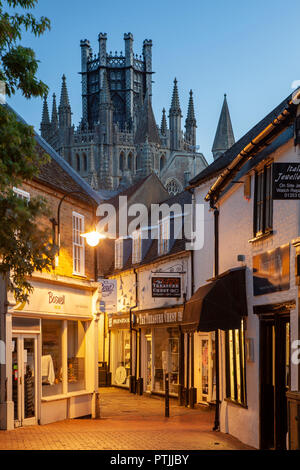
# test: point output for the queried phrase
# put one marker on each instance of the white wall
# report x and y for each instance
(236, 229)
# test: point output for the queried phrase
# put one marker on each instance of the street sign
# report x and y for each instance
(286, 181)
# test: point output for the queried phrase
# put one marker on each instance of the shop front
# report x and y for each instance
(161, 348)
(52, 362)
(120, 347)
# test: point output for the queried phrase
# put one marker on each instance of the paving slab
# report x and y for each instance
(128, 422)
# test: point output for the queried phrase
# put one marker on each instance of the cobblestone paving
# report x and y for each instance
(128, 422)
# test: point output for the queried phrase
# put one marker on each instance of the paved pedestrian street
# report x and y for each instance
(127, 422)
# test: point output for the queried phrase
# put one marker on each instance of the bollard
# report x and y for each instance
(167, 404)
(97, 411)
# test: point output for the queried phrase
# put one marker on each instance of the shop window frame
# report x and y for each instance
(263, 202)
(232, 394)
(78, 243)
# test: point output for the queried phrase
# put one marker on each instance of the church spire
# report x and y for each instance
(175, 106)
(147, 128)
(163, 126)
(175, 120)
(224, 138)
(64, 109)
(45, 122)
(190, 122)
(54, 117)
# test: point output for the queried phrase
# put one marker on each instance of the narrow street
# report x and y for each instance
(128, 422)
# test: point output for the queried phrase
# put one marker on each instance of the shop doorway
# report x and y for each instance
(205, 373)
(274, 380)
(148, 362)
(24, 379)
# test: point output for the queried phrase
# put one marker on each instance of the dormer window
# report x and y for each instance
(119, 253)
(136, 246)
(163, 236)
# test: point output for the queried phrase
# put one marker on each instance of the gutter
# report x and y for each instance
(261, 140)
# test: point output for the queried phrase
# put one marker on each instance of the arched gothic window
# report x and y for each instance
(85, 163)
(138, 162)
(77, 162)
(121, 162)
(130, 161)
(173, 186)
(162, 162)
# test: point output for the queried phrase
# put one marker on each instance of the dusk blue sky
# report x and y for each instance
(247, 49)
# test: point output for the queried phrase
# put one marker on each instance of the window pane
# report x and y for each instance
(76, 355)
(51, 357)
(238, 365)
(231, 366)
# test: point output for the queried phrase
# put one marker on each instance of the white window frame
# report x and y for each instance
(78, 244)
(21, 193)
(136, 246)
(119, 253)
(163, 236)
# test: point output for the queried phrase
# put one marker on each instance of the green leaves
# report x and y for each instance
(18, 64)
(25, 240)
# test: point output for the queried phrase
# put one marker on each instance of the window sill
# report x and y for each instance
(262, 236)
(236, 403)
(79, 275)
(63, 396)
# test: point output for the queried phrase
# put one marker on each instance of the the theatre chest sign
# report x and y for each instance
(286, 181)
(166, 286)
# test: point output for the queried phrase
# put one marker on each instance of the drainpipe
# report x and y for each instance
(132, 378)
(216, 269)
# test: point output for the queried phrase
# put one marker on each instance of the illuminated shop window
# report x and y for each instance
(235, 365)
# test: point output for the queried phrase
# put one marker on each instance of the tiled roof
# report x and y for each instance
(57, 173)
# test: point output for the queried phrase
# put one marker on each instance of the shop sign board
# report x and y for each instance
(166, 286)
(271, 271)
(107, 295)
(159, 318)
(286, 181)
(47, 298)
(119, 321)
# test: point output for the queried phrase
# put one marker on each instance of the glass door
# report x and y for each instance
(24, 379)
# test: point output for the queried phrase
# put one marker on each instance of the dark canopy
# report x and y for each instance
(218, 305)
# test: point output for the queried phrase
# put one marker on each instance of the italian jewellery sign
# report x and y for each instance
(286, 181)
(166, 287)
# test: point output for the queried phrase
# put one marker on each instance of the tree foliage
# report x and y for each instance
(24, 241)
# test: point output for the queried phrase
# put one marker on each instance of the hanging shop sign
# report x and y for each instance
(166, 286)
(286, 181)
(107, 301)
(271, 271)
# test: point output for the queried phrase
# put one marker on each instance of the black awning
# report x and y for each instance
(218, 305)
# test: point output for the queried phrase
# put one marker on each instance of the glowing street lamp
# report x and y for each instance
(92, 238)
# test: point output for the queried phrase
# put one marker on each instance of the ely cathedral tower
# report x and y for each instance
(118, 141)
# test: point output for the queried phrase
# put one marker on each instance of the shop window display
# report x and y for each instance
(166, 347)
(51, 357)
(76, 355)
(123, 358)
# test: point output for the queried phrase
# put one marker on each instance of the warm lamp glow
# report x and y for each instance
(92, 238)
